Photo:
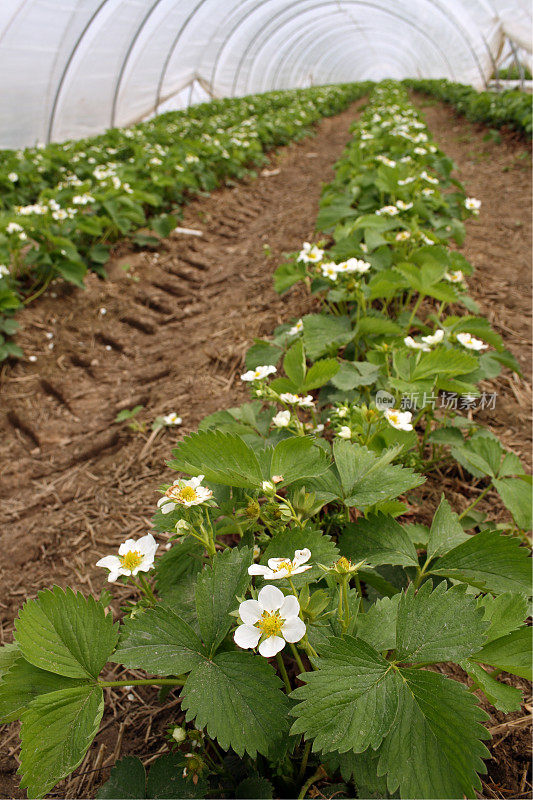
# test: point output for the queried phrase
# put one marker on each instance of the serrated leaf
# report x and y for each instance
(167, 782)
(297, 458)
(9, 653)
(377, 326)
(443, 362)
(362, 769)
(379, 540)
(23, 682)
(320, 373)
(262, 352)
(480, 455)
(511, 653)
(378, 625)
(256, 786)
(216, 589)
(438, 625)
(160, 642)
(353, 374)
(66, 633)
(174, 566)
(294, 363)
(322, 333)
(350, 701)
(236, 696)
(490, 561)
(433, 749)
(517, 498)
(221, 457)
(284, 544)
(446, 531)
(503, 697)
(57, 729)
(127, 781)
(505, 613)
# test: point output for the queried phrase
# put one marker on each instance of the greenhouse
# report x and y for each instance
(265, 380)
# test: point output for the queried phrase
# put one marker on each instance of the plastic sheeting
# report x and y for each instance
(71, 68)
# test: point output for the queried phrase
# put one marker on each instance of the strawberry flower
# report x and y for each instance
(401, 420)
(270, 621)
(133, 557)
(184, 493)
(470, 342)
(279, 568)
(259, 373)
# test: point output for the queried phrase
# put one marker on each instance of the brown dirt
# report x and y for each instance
(177, 325)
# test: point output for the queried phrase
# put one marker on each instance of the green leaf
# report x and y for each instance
(480, 455)
(490, 561)
(354, 374)
(505, 613)
(285, 542)
(511, 653)
(443, 362)
(127, 781)
(73, 272)
(294, 363)
(320, 373)
(159, 641)
(322, 334)
(434, 748)
(378, 539)
(349, 703)
(221, 457)
(438, 625)
(236, 696)
(378, 625)
(183, 559)
(446, 531)
(517, 497)
(9, 653)
(166, 780)
(23, 682)
(262, 352)
(296, 459)
(65, 633)
(257, 787)
(57, 729)
(503, 697)
(216, 589)
(377, 326)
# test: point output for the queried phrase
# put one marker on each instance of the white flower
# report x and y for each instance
(428, 178)
(456, 276)
(259, 373)
(425, 238)
(184, 493)
(364, 247)
(172, 419)
(3, 271)
(179, 735)
(427, 192)
(405, 160)
(282, 419)
(319, 428)
(297, 399)
(256, 552)
(434, 338)
(405, 181)
(389, 211)
(470, 342)
(414, 345)
(14, 227)
(472, 204)
(330, 270)
(133, 557)
(401, 420)
(420, 151)
(268, 487)
(296, 328)
(13, 177)
(403, 236)
(345, 432)
(356, 265)
(283, 567)
(272, 618)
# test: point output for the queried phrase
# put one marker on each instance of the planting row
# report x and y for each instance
(62, 205)
(299, 603)
(511, 108)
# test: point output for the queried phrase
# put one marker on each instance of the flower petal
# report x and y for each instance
(147, 545)
(269, 647)
(270, 598)
(293, 630)
(258, 569)
(301, 556)
(250, 611)
(290, 607)
(125, 547)
(109, 562)
(166, 509)
(274, 563)
(246, 636)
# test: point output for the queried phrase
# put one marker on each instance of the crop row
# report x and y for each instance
(511, 108)
(292, 535)
(63, 205)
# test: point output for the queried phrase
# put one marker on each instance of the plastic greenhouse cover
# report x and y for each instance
(72, 68)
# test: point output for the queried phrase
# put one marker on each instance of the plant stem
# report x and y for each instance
(296, 655)
(305, 759)
(346, 620)
(283, 672)
(415, 309)
(316, 776)
(145, 682)
(359, 592)
(472, 505)
(147, 589)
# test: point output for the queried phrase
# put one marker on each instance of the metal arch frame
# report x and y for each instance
(321, 4)
(86, 27)
(301, 56)
(450, 18)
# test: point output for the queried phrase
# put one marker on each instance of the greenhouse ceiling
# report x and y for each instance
(72, 68)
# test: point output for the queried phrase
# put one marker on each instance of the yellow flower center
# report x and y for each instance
(393, 416)
(270, 623)
(131, 560)
(187, 494)
(288, 565)
(343, 563)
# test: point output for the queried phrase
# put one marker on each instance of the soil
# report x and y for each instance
(168, 331)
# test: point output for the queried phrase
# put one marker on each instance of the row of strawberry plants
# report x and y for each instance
(61, 206)
(511, 108)
(286, 539)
